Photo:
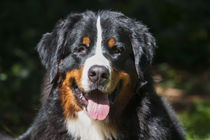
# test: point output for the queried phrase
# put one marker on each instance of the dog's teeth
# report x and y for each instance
(80, 96)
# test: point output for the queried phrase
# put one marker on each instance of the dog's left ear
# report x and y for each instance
(143, 45)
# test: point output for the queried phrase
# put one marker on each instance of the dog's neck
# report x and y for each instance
(88, 129)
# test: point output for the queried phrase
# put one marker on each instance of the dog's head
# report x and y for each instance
(98, 58)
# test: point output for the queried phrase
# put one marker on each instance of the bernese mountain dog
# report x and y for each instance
(98, 84)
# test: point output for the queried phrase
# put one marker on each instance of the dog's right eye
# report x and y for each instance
(81, 49)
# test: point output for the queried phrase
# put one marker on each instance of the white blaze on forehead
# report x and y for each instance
(97, 59)
(99, 37)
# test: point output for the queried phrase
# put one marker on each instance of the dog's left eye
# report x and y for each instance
(117, 50)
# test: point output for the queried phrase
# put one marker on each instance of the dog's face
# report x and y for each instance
(97, 59)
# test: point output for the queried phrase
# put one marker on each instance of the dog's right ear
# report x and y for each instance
(51, 43)
(47, 52)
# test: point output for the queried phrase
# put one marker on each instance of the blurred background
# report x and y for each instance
(181, 65)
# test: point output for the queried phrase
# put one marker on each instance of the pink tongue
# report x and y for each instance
(98, 109)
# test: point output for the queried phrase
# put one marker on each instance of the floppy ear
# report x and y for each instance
(143, 45)
(51, 44)
(47, 52)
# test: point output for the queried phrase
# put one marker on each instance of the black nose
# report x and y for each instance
(98, 74)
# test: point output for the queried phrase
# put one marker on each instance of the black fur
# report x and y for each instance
(146, 117)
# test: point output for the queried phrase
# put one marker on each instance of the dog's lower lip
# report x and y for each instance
(79, 94)
(83, 97)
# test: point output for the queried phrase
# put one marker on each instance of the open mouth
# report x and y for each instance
(96, 102)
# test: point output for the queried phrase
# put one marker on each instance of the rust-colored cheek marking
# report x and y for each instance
(111, 42)
(124, 96)
(86, 41)
(69, 102)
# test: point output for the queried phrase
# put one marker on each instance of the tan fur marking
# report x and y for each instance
(69, 102)
(60, 63)
(86, 41)
(111, 42)
(125, 94)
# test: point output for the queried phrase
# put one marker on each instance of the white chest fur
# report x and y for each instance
(88, 129)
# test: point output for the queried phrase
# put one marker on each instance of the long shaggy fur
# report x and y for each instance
(146, 116)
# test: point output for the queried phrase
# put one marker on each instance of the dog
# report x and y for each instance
(98, 84)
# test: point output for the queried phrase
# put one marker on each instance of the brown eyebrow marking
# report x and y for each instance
(111, 42)
(86, 41)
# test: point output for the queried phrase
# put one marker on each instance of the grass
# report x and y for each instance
(196, 121)
(191, 91)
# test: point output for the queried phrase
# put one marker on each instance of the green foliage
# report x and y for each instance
(196, 121)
